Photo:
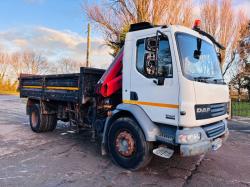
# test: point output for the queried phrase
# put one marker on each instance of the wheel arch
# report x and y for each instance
(29, 103)
(149, 129)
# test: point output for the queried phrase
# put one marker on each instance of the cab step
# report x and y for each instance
(163, 152)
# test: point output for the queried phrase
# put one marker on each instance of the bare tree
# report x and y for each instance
(244, 56)
(34, 63)
(13, 64)
(240, 71)
(115, 16)
(238, 83)
(4, 63)
(16, 63)
(68, 65)
(246, 85)
(5, 73)
(241, 64)
(244, 47)
(221, 21)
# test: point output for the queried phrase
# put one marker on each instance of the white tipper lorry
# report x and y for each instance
(164, 93)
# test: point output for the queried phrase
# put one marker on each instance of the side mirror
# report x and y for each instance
(150, 65)
(151, 44)
(150, 68)
(219, 57)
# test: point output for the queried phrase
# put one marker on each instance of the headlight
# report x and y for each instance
(189, 138)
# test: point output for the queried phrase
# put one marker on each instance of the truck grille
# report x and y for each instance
(218, 109)
(207, 111)
(215, 129)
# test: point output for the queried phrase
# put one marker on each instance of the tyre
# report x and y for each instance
(41, 122)
(127, 144)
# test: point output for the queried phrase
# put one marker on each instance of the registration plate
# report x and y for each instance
(216, 144)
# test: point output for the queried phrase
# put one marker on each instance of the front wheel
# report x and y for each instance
(127, 144)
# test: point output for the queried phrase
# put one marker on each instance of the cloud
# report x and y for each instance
(21, 42)
(55, 44)
(68, 38)
(243, 5)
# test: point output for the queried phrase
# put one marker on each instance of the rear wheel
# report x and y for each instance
(127, 144)
(41, 122)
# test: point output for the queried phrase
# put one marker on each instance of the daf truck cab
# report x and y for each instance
(164, 93)
(174, 89)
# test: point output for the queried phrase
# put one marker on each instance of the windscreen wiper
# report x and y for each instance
(202, 79)
(217, 80)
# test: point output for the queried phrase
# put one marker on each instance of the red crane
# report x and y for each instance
(111, 80)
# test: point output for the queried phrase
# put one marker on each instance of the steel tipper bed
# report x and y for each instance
(62, 87)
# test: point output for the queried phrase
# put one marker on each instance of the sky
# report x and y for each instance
(57, 28)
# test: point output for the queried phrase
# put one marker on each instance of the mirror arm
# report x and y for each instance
(159, 32)
(219, 56)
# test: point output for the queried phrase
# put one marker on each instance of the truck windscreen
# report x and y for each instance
(204, 67)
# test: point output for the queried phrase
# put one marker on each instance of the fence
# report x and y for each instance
(241, 108)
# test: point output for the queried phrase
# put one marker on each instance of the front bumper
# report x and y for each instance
(212, 137)
(200, 147)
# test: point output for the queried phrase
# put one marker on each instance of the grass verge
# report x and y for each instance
(241, 109)
(2, 92)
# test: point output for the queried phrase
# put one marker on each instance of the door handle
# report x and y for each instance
(159, 81)
(133, 96)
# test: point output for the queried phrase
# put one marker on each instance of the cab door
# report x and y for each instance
(160, 102)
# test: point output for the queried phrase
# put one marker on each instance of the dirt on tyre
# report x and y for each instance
(127, 144)
(41, 122)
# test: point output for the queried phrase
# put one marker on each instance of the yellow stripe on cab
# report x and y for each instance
(163, 105)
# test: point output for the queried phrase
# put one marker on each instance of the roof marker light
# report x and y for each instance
(197, 24)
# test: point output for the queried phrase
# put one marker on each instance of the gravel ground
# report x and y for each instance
(66, 158)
